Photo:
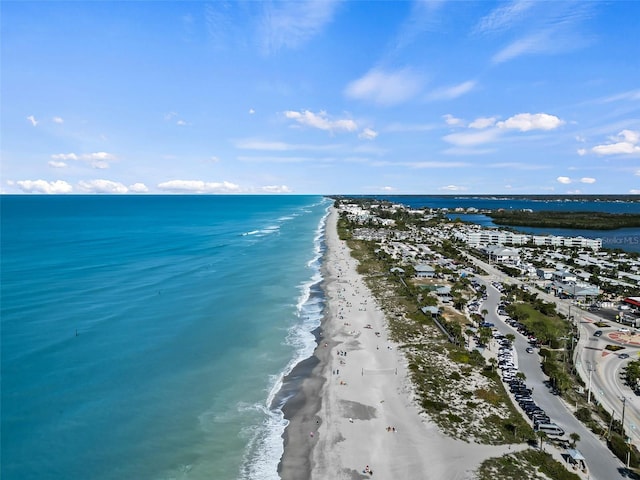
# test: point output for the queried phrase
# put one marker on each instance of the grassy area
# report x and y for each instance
(546, 328)
(530, 464)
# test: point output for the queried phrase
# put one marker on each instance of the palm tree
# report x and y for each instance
(575, 438)
(493, 362)
(485, 336)
(542, 436)
(469, 333)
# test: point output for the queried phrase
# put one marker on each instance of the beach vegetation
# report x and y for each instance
(622, 449)
(531, 464)
(488, 396)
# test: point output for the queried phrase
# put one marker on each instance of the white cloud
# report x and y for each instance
(630, 95)
(408, 127)
(33, 120)
(170, 116)
(368, 134)
(453, 188)
(387, 189)
(138, 188)
(385, 88)
(198, 186)
(626, 142)
(453, 121)
(262, 145)
(518, 166)
(564, 180)
(275, 189)
(255, 144)
(483, 122)
(630, 136)
(58, 120)
(634, 191)
(454, 91)
(56, 164)
(42, 186)
(465, 139)
(582, 151)
(535, 43)
(321, 120)
(421, 164)
(102, 186)
(275, 159)
(65, 156)
(466, 151)
(503, 17)
(531, 121)
(291, 24)
(251, 111)
(98, 160)
(587, 180)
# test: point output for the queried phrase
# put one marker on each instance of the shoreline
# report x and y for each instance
(355, 406)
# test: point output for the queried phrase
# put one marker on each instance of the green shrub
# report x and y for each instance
(620, 449)
(583, 414)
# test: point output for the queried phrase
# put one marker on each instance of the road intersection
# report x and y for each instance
(591, 360)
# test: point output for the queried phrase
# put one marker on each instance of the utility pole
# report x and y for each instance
(591, 369)
(613, 414)
(624, 403)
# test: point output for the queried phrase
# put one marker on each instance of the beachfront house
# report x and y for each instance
(425, 271)
(563, 276)
(504, 255)
(545, 273)
(444, 293)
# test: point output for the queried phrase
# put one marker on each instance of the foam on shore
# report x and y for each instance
(266, 446)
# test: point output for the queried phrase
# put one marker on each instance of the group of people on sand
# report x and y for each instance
(391, 429)
(367, 470)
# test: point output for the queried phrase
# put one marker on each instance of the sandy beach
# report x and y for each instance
(355, 411)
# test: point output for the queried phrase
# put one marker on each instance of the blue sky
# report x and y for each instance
(322, 97)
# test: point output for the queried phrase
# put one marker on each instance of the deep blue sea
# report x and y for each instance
(145, 337)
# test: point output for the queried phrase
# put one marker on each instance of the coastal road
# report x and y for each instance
(605, 385)
(600, 461)
(606, 369)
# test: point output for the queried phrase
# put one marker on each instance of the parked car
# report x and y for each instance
(597, 333)
(622, 356)
(623, 330)
(529, 350)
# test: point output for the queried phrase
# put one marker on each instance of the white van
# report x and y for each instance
(550, 429)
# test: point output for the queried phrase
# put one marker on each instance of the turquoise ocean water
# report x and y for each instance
(146, 336)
